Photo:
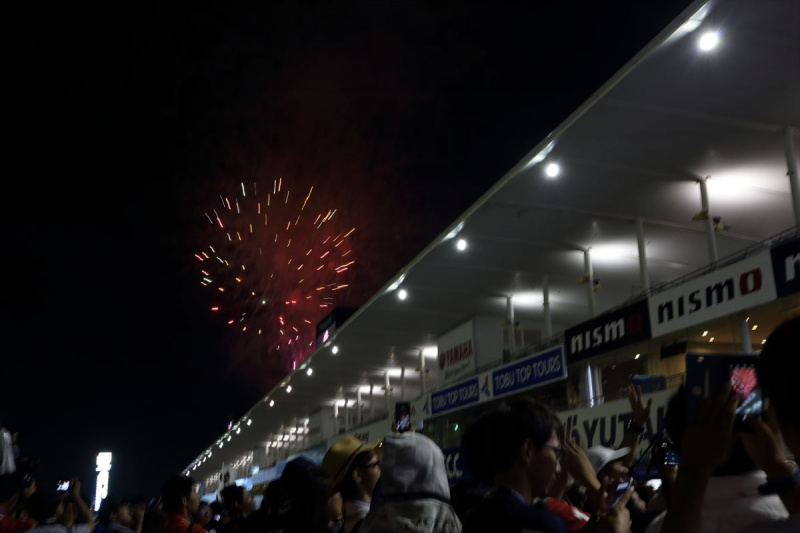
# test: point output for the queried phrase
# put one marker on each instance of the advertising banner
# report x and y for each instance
(457, 353)
(604, 425)
(533, 371)
(608, 332)
(724, 291)
(786, 267)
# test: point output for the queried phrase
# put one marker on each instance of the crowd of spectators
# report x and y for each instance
(525, 475)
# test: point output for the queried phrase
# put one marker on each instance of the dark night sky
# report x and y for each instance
(121, 124)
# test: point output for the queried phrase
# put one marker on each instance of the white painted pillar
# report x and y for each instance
(548, 321)
(588, 272)
(643, 273)
(711, 237)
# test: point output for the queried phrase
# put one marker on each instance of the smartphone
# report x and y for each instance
(621, 488)
(707, 373)
(402, 416)
(671, 458)
(63, 485)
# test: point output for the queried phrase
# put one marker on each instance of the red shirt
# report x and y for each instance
(574, 519)
(178, 523)
(12, 525)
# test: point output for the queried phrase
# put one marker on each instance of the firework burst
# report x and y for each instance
(277, 261)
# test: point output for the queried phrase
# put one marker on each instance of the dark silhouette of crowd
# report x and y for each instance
(524, 475)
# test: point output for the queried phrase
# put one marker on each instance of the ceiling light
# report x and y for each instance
(335, 350)
(309, 371)
(288, 389)
(249, 421)
(764, 341)
(461, 244)
(430, 351)
(708, 41)
(229, 438)
(221, 444)
(552, 170)
(747, 319)
(705, 333)
(711, 339)
(272, 403)
(238, 430)
(637, 356)
(402, 294)
(755, 327)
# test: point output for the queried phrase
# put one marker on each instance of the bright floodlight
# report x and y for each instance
(249, 421)
(309, 371)
(708, 41)
(430, 351)
(272, 403)
(402, 294)
(103, 469)
(335, 350)
(288, 389)
(461, 244)
(552, 170)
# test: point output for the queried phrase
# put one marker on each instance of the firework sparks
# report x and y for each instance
(276, 264)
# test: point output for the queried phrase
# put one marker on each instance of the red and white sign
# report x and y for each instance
(457, 353)
(719, 293)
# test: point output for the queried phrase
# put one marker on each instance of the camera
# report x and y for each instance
(661, 452)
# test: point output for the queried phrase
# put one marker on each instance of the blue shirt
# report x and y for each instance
(505, 510)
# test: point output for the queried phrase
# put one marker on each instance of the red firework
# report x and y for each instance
(277, 262)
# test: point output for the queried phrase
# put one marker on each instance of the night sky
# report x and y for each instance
(124, 126)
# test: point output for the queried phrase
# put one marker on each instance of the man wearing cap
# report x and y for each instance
(355, 469)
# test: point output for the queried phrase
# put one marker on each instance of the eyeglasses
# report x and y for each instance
(557, 450)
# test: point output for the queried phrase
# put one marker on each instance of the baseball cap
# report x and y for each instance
(600, 456)
(342, 453)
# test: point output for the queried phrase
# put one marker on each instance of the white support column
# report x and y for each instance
(711, 237)
(548, 321)
(512, 342)
(747, 346)
(791, 165)
(346, 414)
(421, 372)
(386, 393)
(645, 275)
(403, 383)
(358, 398)
(371, 401)
(336, 417)
(588, 272)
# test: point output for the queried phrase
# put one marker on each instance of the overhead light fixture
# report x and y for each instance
(461, 245)
(430, 351)
(747, 319)
(705, 333)
(755, 327)
(402, 294)
(249, 421)
(272, 403)
(637, 356)
(229, 438)
(335, 350)
(708, 41)
(764, 341)
(711, 339)
(309, 371)
(238, 430)
(288, 389)
(552, 170)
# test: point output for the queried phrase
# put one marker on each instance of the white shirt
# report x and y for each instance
(7, 465)
(354, 511)
(51, 527)
(732, 503)
(790, 525)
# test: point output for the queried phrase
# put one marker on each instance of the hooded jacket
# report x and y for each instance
(415, 492)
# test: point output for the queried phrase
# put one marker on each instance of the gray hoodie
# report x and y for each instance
(415, 490)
